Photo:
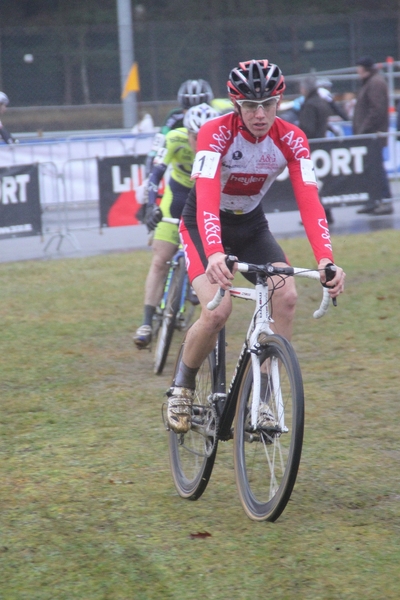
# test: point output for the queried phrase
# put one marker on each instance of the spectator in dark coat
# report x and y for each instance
(313, 117)
(315, 111)
(324, 90)
(371, 116)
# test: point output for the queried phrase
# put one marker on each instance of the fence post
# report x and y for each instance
(390, 74)
(392, 135)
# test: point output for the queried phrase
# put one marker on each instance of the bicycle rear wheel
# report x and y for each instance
(267, 459)
(171, 310)
(192, 454)
(187, 309)
(156, 323)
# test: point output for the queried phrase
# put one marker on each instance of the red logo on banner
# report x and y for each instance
(124, 210)
(243, 184)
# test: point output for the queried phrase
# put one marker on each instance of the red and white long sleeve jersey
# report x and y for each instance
(234, 170)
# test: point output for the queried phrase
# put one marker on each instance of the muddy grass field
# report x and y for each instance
(88, 508)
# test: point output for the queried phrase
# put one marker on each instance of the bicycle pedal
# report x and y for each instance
(149, 348)
(144, 348)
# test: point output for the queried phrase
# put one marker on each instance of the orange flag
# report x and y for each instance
(132, 83)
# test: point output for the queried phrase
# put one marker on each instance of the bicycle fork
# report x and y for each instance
(258, 333)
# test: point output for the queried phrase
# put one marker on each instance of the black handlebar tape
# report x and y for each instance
(330, 271)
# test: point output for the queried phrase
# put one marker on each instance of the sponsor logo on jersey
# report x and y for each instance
(221, 139)
(325, 233)
(267, 161)
(297, 145)
(212, 228)
(244, 184)
(237, 155)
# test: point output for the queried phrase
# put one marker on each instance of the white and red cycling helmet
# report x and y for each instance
(255, 80)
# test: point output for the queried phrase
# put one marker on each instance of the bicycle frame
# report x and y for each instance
(175, 310)
(173, 264)
(167, 284)
(260, 325)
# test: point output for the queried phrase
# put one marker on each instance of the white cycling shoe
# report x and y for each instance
(179, 409)
(142, 337)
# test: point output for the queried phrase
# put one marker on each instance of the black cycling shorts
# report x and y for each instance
(246, 236)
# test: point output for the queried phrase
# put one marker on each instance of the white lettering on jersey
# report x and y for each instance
(296, 145)
(307, 171)
(325, 235)
(212, 228)
(248, 179)
(205, 164)
(221, 139)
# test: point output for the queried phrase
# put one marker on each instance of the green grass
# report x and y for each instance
(88, 508)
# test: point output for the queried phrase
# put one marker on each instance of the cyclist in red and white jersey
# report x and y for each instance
(239, 156)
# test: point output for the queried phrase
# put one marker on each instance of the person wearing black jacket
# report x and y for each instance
(313, 116)
(324, 90)
(315, 111)
(371, 116)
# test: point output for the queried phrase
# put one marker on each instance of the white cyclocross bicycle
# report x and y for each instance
(262, 411)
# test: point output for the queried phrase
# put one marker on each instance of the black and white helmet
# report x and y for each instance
(193, 92)
(4, 99)
(196, 116)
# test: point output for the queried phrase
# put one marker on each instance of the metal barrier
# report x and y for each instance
(349, 172)
(61, 149)
(69, 199)
(68, 177)
(69, 185)
(391, 154)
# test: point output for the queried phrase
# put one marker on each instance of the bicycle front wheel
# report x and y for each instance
(267, 456)
(192, 454)
(171, 310)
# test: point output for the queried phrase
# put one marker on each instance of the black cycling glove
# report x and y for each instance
(153, 216)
